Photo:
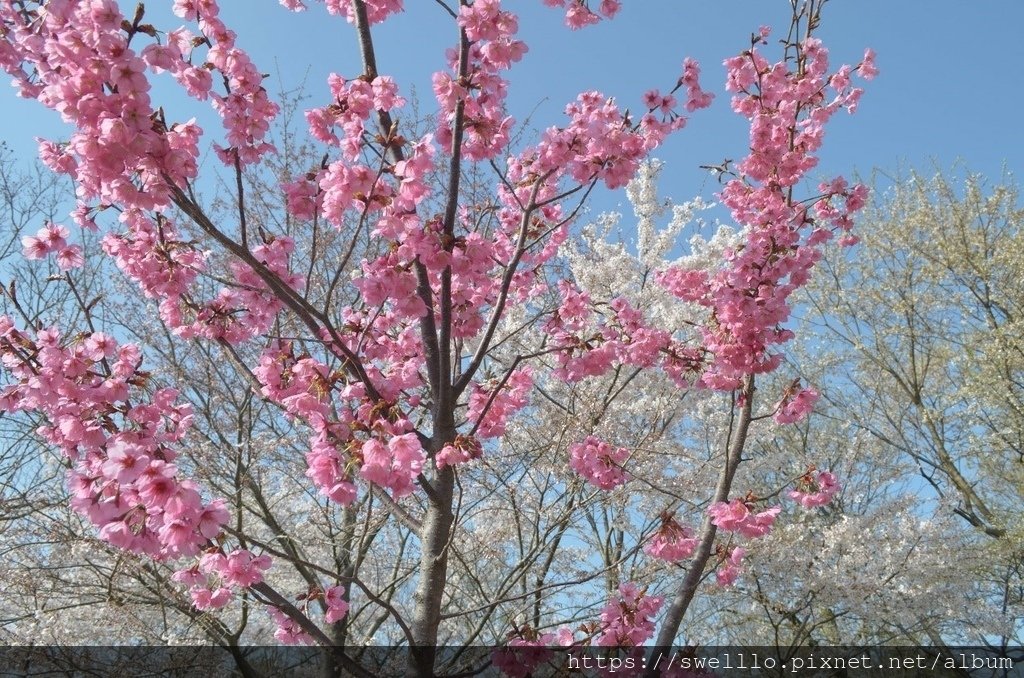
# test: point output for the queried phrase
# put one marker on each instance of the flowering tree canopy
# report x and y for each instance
(415, 294)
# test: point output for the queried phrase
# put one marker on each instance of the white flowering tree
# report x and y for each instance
(924, 326)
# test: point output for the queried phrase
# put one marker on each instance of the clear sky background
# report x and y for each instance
(950, 86)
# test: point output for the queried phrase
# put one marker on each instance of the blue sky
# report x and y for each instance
(950, 87)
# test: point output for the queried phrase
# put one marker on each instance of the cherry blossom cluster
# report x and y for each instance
(386, 453)
(376, 10)
(123, 152)
(74, 57)
(461, 450)
(672, 542)
(795, 405)
(395, 464)
(390, 281)
(240, 311)
(337, 606)
(601, 142)
(519, 658)
(584, 352)
(599, 462)
(217, 575)
(120, 449)
(664, 106)
(814, 490)
(579, 14)
(528, 649)
(628, 618)
(154, 255)
(290, 632)
(50, 239)
(479, 88)
(491, 407)
(730, 567)
(123, 476)
(343, 123)
(302, 386)
(245, 108)
(787, 105)
(165, 265)
(247, 308)
(591, 342)
(738, 516)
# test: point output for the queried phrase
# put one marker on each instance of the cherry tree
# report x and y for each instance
(862, 561)
(399, 374)
(923, 327)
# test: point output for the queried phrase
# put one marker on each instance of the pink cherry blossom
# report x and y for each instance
(337, 606)
(599, 463)
(628, 618)
(288, 631)
(394, 465)
(737, 516)
(207, 599)
(730, 569)
(795, 406)
(747, 298)
(867, 68)
(122, 475)
(815, 490)
(462, 450)
(672, 542)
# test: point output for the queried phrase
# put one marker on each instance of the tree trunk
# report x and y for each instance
(437, 528)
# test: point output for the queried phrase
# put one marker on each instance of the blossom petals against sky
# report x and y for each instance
(946, 90)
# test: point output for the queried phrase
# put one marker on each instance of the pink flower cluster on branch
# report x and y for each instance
(628, 618)
(528, 649)
(590, 341)
(795, 405)
(214, 578)
(672, 542)
(788, 104)
(244, 108)
(579, 14)
(50, 239)
(352, 434)
(472, 95)
(376, 10)
(814, 490)
(738, 516)
(76, 58)
(492, 405)
(120, 449)
(462, 450)
(599, 463)
(164, 265)
(730, 568)
(747, 298)
(290, 632)
(123, 476)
